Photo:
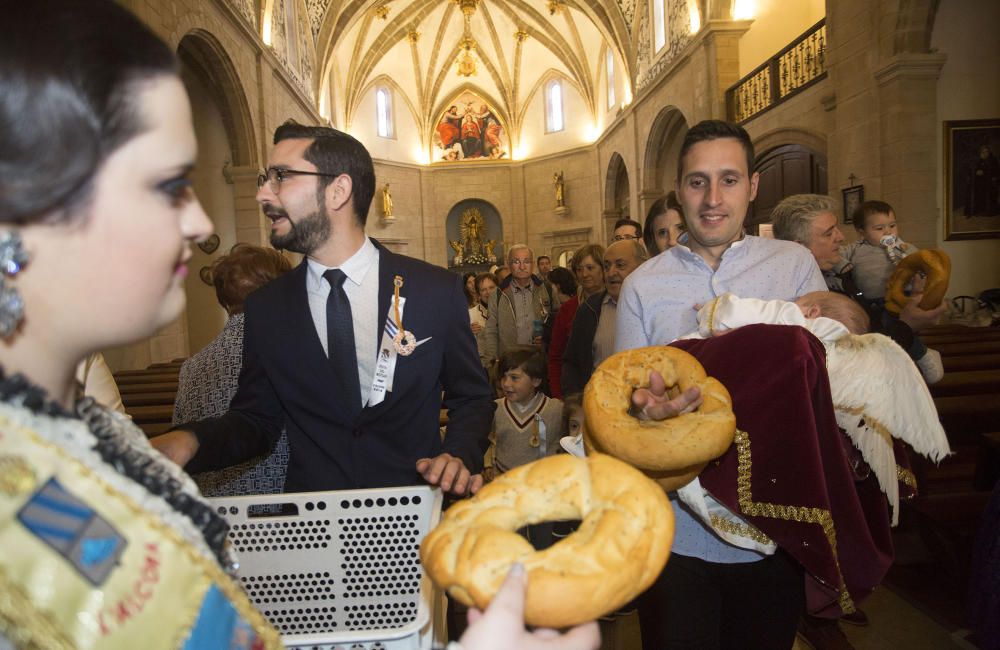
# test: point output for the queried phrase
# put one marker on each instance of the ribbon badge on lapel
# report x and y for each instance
(404, 341)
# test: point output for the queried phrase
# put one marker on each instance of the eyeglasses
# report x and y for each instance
(624, 237)
(274, 177)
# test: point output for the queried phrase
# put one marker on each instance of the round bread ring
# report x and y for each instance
(669, 480)
(935, 264)
(675, 445)
(619, 549)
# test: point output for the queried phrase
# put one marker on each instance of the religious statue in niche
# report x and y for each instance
(472, 247)
(469, 129)
(386, 201)
(557, 181)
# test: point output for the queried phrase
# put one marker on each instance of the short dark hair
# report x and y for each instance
(868, 209)
(542, 257)
(335, 152)
(69, 73)
(714, 130)
(243, 270)
(660, 206)
(625, 221)
(563, 280)
(485, 275)
(525, 357)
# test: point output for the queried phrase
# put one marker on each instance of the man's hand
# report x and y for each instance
(920, 319)
(653, 404)
(501, 626)
(476, 328)
(179, 446)
(450, 474)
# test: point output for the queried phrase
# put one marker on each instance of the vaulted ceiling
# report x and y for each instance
(515, 46)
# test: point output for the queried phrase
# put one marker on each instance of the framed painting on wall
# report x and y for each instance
(853, 197)
(972, 179)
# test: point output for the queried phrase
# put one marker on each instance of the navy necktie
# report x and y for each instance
(340, 340)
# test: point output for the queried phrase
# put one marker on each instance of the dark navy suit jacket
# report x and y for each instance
(286, 382)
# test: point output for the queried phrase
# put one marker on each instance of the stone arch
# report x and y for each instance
(779, 137)
(617, 199)
(663, 146)
(205, 55)
(492, 231)
(914, 25)
(789, 161)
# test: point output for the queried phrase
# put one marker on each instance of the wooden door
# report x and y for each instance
(785, 170)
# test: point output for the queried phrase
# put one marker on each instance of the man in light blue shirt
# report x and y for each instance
(713, 594)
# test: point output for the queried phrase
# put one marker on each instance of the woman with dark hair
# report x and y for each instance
(208, 380)
(469, 282)
(96, 221)
(105, 542)
(664, 224)
(565, 286)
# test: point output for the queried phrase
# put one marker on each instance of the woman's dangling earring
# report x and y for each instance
(13, 258)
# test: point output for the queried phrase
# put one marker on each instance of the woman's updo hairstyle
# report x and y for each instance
(67, 75)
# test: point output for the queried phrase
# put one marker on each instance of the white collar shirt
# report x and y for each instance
(361, 287)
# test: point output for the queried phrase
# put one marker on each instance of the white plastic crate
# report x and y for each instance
(341, 572)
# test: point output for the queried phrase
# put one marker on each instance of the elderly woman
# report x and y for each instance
(664, 224)
(208, 380)
(106, 543)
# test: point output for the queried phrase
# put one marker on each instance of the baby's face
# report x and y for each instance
(878, 226)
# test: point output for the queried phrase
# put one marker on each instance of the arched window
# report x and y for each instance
(609, 64)
(554, 109)
(659, 25)
(383, 112)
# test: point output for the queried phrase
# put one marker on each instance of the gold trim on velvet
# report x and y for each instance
(711, 317)
(742, 530)
(818, 516)
(24, 625)
(906, 477)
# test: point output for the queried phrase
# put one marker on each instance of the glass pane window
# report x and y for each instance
(554, 107)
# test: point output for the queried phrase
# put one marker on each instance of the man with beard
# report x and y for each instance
(351, 351)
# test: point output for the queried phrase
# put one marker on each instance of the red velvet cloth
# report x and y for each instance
(791, 475)
(560, 336)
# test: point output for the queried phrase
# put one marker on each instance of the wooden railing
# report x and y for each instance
(793, 69)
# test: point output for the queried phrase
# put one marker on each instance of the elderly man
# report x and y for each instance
(592, 339)
(809, 219)
(713, 593)
(521, 304)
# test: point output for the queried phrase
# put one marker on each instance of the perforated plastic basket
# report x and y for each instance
(338, 570)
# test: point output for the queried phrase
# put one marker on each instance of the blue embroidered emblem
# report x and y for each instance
(73, 530)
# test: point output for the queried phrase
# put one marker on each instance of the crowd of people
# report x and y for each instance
(333, 374)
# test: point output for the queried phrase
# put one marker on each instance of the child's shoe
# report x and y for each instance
(931, 367)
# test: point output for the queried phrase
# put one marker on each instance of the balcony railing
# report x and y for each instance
(789, 72)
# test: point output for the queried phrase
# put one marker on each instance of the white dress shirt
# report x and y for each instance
(361, 288)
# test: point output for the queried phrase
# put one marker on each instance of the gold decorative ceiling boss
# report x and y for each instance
(555, 6)
(466, 63)
(413, 36)
(468, 7)
(520, 35)
(382, 12)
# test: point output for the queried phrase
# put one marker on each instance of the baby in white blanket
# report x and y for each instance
(877, 390)
(829, 316)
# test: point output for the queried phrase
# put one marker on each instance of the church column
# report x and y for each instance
(721, 44)
(908, 133)
(250, 225)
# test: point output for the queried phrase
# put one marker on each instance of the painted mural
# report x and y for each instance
(470, 129)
